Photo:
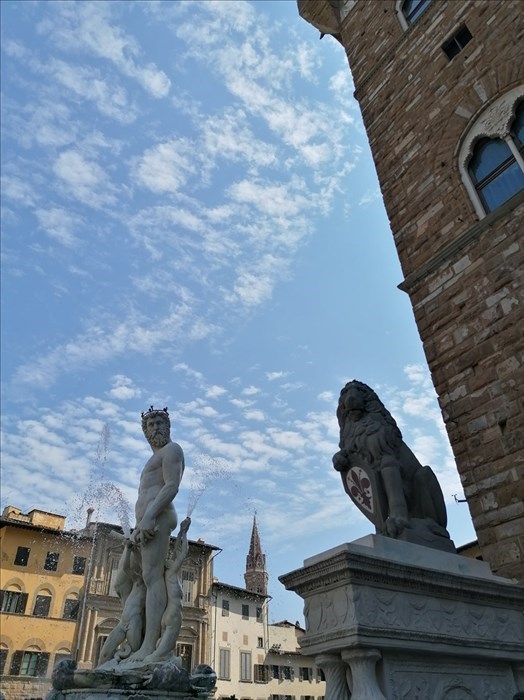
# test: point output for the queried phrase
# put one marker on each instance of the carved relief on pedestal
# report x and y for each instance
(329, 610)
(432, 615)
(449, 681)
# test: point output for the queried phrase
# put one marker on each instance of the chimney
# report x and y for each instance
(90, 512)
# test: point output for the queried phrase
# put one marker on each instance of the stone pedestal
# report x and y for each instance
(402, 621)
(154, 681)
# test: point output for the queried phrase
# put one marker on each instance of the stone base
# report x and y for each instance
(162, 681)
(387, 620)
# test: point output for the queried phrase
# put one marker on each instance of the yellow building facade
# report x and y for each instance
(58, 601)
(41, 587)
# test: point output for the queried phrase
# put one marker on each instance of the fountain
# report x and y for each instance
(399, 614)
(137, 657)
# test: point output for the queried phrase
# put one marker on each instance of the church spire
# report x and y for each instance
(256, 576)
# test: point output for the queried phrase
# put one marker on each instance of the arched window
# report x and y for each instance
(13, 600)
(495, 172)
(408, 11)
(29, 662)
(61, 655)
(71, 607)
(43, 603)
(491, 158)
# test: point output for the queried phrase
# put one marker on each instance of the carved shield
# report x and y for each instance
(362, 485)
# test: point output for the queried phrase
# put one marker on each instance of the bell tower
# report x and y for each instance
(256, 576)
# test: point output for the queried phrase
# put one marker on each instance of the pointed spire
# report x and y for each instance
(256, 576)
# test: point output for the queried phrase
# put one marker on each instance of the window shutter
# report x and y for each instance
(41, 664)
(21, 604)
(16, 662)
(2, 595)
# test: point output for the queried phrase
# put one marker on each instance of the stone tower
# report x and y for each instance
(441, 88)
(256, 576)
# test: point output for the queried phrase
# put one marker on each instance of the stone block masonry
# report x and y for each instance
(464, 275)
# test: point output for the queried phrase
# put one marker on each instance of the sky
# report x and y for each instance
(191, 218)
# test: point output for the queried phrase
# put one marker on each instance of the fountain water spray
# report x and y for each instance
(205, 470)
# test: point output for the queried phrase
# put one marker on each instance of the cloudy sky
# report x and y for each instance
(191, 219)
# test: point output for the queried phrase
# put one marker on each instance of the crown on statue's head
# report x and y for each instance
(151, 409)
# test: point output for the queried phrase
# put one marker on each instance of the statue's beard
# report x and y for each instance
(160, 439)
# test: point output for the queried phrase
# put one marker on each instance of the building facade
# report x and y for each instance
(441, 88)
(45, 613)
(42, 583)
(254, 659)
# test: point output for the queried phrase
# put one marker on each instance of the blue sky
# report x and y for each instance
(191, 218)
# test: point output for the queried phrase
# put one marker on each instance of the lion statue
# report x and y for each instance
(382, 476)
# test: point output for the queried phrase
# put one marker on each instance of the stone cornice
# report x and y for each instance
(355, 568)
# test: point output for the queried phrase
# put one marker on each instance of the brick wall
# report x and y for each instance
(464, 277)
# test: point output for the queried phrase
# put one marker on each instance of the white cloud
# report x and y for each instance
(228, 136)
(167, 166)
(123, 388)
(271, 376)
(84, 178)
(270, 199)
(87, 27)
(18, 190)
(59, 224)
(416, 374)
(250, 390)
(255, 414)
(213, 392)
(369, 197)
(327, 396)
(109, 97)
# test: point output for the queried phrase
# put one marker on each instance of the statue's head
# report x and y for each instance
(156, 426)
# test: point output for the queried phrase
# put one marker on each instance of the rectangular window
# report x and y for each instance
(457, 42)
(320, 675)
(259, 614)
(245, 612)
(79, 565)
(71, 606)
(13, 602)
(261, 673)
(185, 652)
(305, 673)
(33, 663)
(275, 672)
(245, 666)
(224, 670)
(260, 642)
(22, 556)
(51, 561)
(287, 673)
(225, 608)
(3, 659)
(42, 607)
(188, 585)
(112, 577)
(59, 658)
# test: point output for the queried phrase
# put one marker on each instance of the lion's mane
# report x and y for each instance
(375, 433)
